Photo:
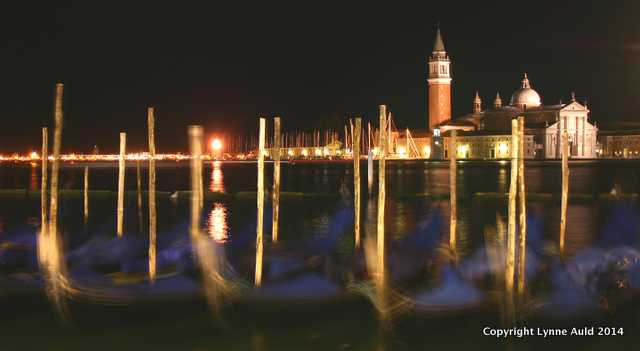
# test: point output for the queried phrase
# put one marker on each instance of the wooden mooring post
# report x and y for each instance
(355, 139)
(152, 194)
(50, 251)
(85, 194)
(43, 178)
(522, 219)
(195, 149)
(55, 167)
(121, 169)
(565, 189)
(453, 194)
(511, 224)
(260, 204)
(380, 269)
(276, 179)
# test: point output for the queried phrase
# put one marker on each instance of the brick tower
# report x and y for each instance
(439, 84)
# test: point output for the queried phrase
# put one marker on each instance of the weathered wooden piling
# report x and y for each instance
(43, 178)
(511, 225)
(276, 179)
(260, 203)
(382, 151)
(50, 245)
(509, 271)
(86, 195)
(522, 219)
(453, 193)
(565, 188)
(152, 193)
(195, 149)
(380, 252)
(121, 169)
(55, 166)
(355, 138)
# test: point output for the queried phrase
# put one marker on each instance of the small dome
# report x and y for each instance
(525, 96)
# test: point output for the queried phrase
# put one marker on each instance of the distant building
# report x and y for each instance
(485, 145)
(486, 130)
(619, 143)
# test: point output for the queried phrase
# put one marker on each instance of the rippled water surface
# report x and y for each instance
(316, 231)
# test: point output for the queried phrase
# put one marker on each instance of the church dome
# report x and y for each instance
(525, 96)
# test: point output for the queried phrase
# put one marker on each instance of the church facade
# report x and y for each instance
(485, 132)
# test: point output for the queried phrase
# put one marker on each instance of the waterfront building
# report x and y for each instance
(485, 129)
(481, 145)
(621, 143)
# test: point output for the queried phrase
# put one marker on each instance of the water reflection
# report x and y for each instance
(477, 216)
(217, 179)
(54, 270)
(218, 228)
(33, 177)
(502, 179)
(581, 219)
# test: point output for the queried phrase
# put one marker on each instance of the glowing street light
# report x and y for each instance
(462, 150)
(427, 151)
(503, 148)
(216, 145)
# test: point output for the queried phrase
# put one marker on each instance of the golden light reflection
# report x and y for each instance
(218, 229)
(53, 269)
(217, 178)
(33, 178)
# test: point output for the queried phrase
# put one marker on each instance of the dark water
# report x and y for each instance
(416, 193)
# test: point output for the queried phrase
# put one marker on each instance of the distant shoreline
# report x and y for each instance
(181, 163)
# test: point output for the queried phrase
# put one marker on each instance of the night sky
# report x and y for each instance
(313, 64)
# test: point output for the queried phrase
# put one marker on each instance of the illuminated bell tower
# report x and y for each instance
(439, 84)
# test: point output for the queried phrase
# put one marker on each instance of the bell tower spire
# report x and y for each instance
(439, 83)
(438, 44)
